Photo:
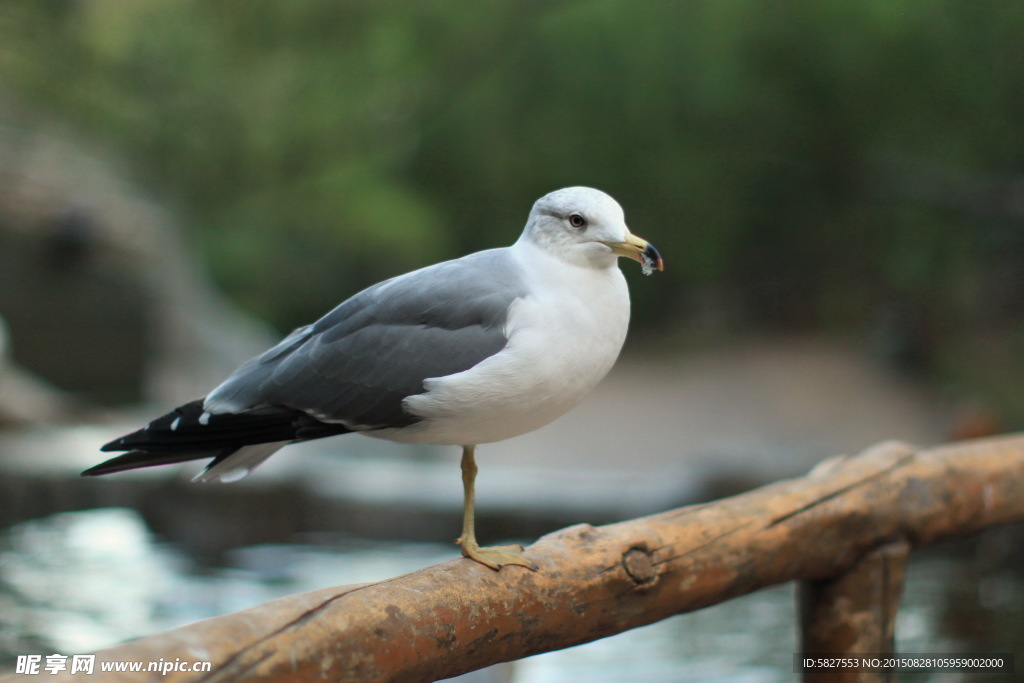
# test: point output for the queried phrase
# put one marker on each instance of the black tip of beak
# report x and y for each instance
(652, 258)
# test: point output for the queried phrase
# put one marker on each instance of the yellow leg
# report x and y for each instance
(494, 557)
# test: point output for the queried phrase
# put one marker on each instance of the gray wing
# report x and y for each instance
(356, 364)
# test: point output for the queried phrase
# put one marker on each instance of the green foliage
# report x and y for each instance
(812, 159)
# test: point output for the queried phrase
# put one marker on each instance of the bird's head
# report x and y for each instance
(586, 227)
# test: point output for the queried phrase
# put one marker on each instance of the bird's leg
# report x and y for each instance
(494, 557)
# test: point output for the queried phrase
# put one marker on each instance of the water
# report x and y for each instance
(75, 582)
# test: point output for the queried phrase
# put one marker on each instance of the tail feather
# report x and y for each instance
(189, 432)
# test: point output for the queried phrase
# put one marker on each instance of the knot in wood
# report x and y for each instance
(639, 565)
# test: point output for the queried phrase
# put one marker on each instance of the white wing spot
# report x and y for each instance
(204, 419)
(175, 424)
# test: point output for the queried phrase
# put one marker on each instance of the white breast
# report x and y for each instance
(564, 337)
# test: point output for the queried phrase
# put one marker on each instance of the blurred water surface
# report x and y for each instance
(75, 582)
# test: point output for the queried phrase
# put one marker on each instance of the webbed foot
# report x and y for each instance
(496, 556)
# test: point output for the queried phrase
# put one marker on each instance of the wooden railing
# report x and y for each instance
(844, 531)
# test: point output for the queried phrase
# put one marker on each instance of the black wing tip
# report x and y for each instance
(131, 440)
(101, 469)
(138, 459)
(126, 461)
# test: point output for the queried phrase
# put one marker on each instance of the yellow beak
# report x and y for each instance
(640, 250)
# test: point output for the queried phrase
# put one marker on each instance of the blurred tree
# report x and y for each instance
(805, 160)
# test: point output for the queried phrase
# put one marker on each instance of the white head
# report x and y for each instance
(586, 227)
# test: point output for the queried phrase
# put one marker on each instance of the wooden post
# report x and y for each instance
(854, 613)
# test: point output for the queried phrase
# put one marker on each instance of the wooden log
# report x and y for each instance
(594, 582)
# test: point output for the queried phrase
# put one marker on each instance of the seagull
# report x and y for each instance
(465, 352)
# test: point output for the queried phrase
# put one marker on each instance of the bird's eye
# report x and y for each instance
(577, 220)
